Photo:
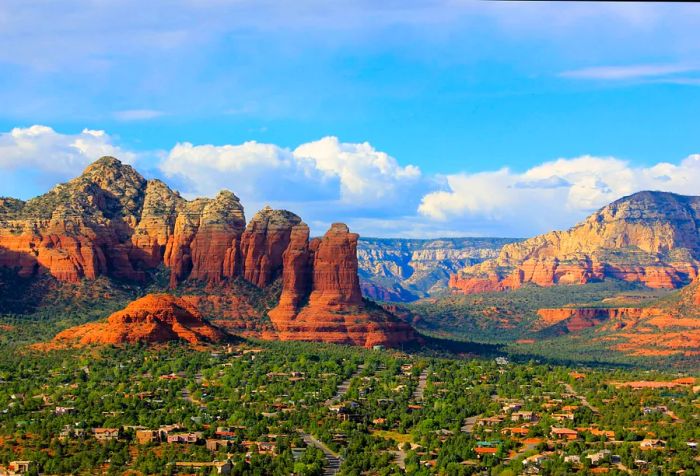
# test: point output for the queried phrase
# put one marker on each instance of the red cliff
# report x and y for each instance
(263, 243)
(334, 310)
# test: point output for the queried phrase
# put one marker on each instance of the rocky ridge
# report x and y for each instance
(112, 222)
(649, 237)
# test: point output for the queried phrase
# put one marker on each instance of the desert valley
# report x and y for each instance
(349, 238)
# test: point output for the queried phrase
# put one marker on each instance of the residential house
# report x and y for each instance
(106, 434)
(652, 444)
(564, 433)
(144, 437)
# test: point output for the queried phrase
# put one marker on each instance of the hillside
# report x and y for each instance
(649, 237)
(403, 270)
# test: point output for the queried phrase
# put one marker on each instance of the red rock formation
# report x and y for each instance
(666, 327)
(155, 318)
(649, 237)
(576, 319)
(112, 222)
(335, 311)
(263, 243)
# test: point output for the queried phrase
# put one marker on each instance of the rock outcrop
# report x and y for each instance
(650, 237)
(332, 309)
(155, 318)
(264, 241)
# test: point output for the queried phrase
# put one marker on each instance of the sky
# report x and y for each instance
(413, 118)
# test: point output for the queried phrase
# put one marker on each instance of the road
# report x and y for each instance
(581, 398)
(333, 459)
(469, 423)
(345, 386)
(420, 389)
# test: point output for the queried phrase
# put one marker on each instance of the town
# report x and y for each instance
(312, 409)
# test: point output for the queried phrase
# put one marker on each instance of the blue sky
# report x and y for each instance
(468, 100)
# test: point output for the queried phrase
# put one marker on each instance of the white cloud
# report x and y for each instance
(43, 150)
(365, 174)
(551, 195)
(137, 114)
(326, 169)
(638, 71)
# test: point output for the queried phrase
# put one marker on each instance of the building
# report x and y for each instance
(144, 437)
(652, 444)
(523, 416)
(215, 445)
(106, 434)
(17, 468)
(564, 433)
(184, 438)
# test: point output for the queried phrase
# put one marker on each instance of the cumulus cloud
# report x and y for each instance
(553, 194)
(44, 150)
(326, 169)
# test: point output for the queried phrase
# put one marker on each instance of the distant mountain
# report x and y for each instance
(403, 270)
(650, 237)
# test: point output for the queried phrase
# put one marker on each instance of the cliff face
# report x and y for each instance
(155, 318)
(332, 308)
(112, 222)
(404, 270)
(649, 237)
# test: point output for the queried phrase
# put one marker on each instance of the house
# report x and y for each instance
(144, 437)
(490, 421)
(572, 459)
(19, 467)
(608, 434)
(484, 450)
(523, 416)
(164, 430)
(597, 458)
(564, 433)
(515, 431)
(563, 416)
(64, 410)
(535, 460)
(106, 434)
(184, 438)
(652, 444)
(215, 445)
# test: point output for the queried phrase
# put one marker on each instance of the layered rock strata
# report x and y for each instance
(650, 237)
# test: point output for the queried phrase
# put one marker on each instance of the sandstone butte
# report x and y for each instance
(649, 237)
(321, 294)
(155, 318)
(666, 327)
(112, 222)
